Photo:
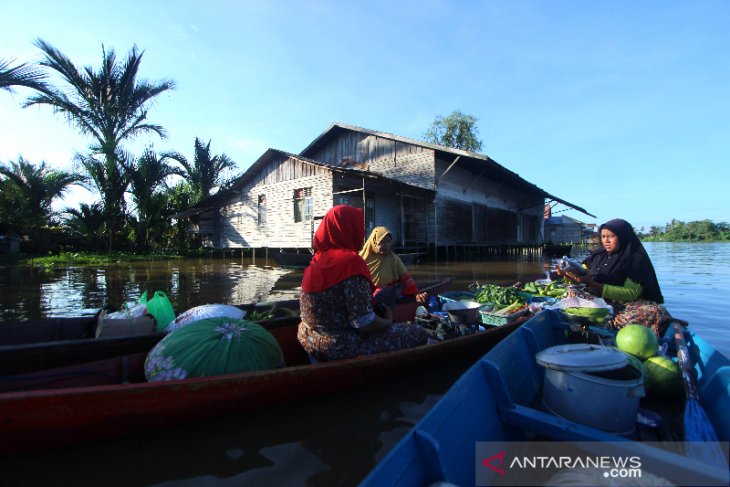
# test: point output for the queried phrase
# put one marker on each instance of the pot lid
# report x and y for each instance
(582, 357)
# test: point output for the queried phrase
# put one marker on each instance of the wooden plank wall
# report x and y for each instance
(239, 226)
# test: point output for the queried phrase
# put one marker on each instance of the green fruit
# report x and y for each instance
(638, 341)
(638, 365)
(666, 376)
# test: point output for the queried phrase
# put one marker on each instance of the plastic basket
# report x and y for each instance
(489, 318)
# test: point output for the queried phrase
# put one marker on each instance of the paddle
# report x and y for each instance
(700, 439)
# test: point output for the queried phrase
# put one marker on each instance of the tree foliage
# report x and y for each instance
(111, 105)
(28, 190)
(457, 130)
(27, 75)
(206, 170)
(694, 231)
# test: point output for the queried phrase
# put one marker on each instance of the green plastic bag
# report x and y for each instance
(160, 308)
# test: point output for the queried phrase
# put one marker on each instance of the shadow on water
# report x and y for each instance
(327, 441)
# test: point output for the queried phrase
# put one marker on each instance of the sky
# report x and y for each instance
(620, 107)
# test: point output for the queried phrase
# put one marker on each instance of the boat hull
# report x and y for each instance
(86, 405)
(497, 400)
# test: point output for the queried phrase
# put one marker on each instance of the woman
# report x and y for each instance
(385, 266)
(621, 271)
(338, 320)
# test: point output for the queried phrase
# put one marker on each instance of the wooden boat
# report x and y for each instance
(88, 401)
(61, 341)
(498, 401)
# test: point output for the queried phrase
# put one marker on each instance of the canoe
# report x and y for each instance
(107, 398)
(54, 342)
(471, 435)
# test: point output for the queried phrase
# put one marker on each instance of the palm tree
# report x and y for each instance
(148, 174)
(111, 105)
(21, 75)
(37, 188)
(86, 224)
(206, 171)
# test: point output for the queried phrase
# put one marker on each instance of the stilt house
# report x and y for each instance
(430, 196)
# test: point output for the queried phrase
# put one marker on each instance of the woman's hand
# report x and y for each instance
(422, 298)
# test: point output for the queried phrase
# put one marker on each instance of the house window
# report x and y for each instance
(303, 204)
(261, 220)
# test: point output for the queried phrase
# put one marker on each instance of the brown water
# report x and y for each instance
(334, 440)
(34, 292)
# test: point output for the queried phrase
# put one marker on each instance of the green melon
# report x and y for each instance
(666, 376)
(638, 341)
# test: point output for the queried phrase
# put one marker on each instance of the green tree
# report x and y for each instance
(147, 175)
(457, 130)
(85, 225)
(36, 187)
(24, 74)
(111, 105)
(206, 170)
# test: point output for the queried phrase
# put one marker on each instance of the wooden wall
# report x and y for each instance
(239, 227)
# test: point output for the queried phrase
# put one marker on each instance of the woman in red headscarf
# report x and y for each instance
(338, 319)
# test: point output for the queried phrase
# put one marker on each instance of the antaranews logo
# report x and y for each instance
(488, 462)
(533, 463)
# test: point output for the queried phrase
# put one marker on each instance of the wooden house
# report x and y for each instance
(430, 196)
(563, 229)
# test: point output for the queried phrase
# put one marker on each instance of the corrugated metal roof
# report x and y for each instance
(476, 161)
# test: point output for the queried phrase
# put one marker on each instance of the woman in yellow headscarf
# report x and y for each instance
(386, 268)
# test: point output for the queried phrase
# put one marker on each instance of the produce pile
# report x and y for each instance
(554, 289)
(504, 300)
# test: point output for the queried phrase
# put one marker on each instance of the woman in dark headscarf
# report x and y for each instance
(621, 271)
(338, 319)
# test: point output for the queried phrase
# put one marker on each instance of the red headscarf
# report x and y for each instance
(337, 243)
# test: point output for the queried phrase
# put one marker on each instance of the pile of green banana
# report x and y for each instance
(596, 315)
(555, 289)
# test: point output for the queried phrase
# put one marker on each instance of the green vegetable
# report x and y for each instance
(500, 296)
(596, 315)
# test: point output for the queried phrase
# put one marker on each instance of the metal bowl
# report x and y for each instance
(462, 311)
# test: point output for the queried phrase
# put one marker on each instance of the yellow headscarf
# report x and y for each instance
(384, 269)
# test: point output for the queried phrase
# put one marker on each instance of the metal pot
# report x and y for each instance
(592, 385)
(462, 311)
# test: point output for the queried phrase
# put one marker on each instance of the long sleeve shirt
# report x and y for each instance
(630, 291)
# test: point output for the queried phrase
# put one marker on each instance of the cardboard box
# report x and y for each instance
(109, 327)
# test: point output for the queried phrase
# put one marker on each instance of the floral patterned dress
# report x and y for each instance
(331, 319)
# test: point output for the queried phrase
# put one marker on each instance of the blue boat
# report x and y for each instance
(475, 433)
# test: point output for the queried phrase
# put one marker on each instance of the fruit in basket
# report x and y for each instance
(666, 376)
(638, 341)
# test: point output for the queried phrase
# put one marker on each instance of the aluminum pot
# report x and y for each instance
(462, 311)
(592, 385)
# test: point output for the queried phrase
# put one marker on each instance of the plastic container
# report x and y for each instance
(592, 385)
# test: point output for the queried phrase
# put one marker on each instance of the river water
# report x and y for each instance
(333, 440)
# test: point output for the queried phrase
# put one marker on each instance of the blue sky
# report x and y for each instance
(621, 107)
